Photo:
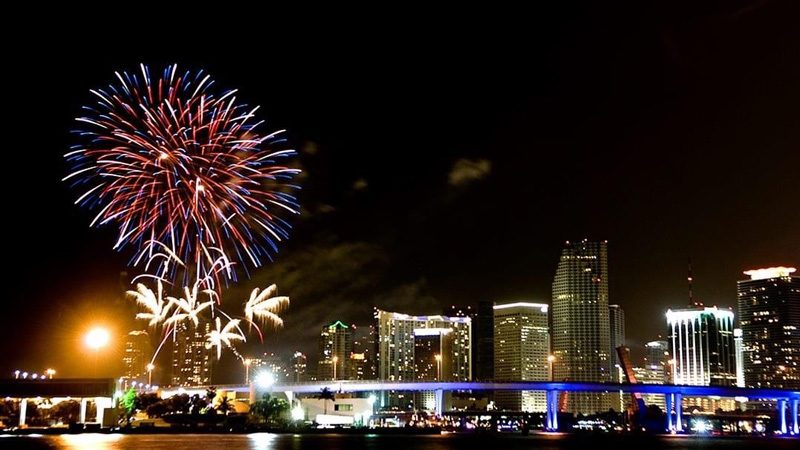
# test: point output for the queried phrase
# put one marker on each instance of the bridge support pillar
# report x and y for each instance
(679, 413)
(795, 425)
(552, 411)
(23, 410)
(84, 402)
(439, 395)
(668, 407)
(782, 415)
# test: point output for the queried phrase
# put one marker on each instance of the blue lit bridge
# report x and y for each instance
(785, 399)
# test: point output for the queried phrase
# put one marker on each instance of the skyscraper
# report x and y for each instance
(702, 345)
(521, 348)
(483, 342)
(137, 355)
(581, 335)
(191, 360)
(482, 337)
(616, 321)
(433, 353)
(769, 316)
(335, 347)
(298, 364)
(396, 344)
(656, 360)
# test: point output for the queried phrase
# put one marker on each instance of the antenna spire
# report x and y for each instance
(689, 278)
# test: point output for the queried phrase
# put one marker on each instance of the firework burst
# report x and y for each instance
(264, 306)
(183, 172)
(224, 335)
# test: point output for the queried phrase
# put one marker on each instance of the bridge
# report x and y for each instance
(101, 390)
(673, 394)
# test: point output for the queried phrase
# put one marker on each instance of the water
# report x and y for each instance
(266, 441)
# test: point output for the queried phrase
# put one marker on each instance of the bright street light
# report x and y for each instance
(438, 367)
(150, 368)
(96, 338)
(550, 360)
(50, 373)
(335, 363)
(265, 379)
(298, 413)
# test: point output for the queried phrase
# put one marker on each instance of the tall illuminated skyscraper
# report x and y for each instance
(137, 355)
(335, 347)
(702, 345)
(521, 348)
(191, 360)
(396, 344)
(581, 335)
(769, 316)
(297, 367)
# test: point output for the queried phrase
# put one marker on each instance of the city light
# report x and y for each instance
(371, 399)
(16, 373)
(97, 338)
(50, 373)
(265, 379)
(298, 413)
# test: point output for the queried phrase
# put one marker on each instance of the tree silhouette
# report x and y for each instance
(325, 394)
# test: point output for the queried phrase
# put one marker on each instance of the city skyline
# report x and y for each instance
(448, 175)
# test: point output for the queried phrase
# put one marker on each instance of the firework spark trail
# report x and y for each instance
(265, 307)
(174, 164)
(224, 335)
(154, 303)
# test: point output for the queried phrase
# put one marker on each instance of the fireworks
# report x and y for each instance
(183, 172)
(151, 301)
(224, 335)
(264, 306)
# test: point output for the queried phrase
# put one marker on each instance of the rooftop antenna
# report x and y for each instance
(691, 299)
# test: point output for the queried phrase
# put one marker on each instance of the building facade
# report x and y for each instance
(433, 353)
(521, 350)
(396, 344)
(298, 366)
(616, 322)
(581, 331)
(191, 360)
(137, 356)
(335, 347)
(702, 346)
(769, 316)
(656, 361)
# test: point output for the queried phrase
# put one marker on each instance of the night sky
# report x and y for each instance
(445, 162)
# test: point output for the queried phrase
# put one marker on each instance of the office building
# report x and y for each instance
(191, 360)
(581, 330)
(396, 344)
(335, 347)
(521, 350)
(769, 316)
(137, 356)
(433, 352)
(702, 346)
(656, 360)
(298, 364)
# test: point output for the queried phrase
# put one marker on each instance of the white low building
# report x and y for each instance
(342, 411)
